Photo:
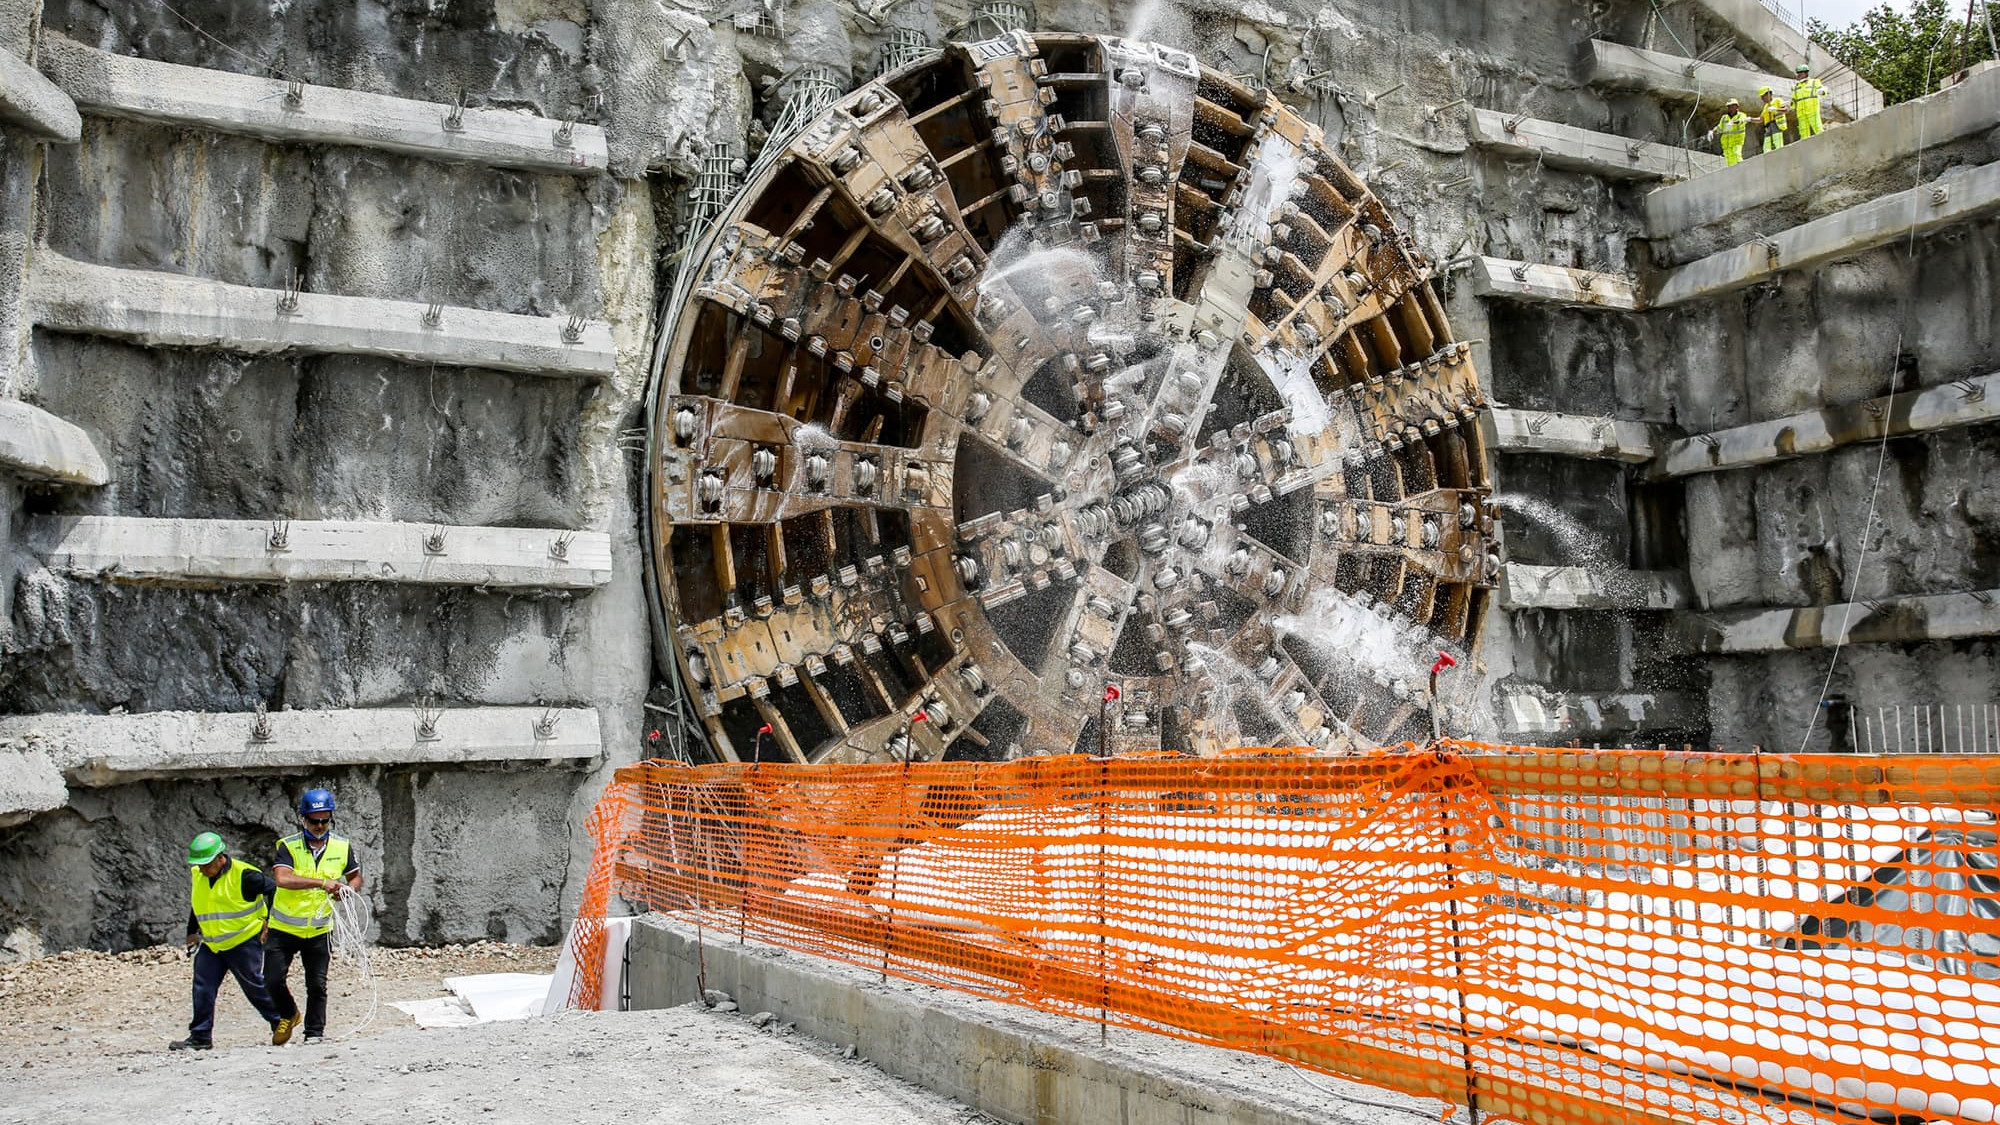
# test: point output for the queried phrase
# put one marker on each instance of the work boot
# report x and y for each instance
(190, 1044)
(315, 1040)
(281, 1032)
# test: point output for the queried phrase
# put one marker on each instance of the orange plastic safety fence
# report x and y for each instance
(1557, 936)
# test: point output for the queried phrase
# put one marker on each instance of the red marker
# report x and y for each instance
(765, 729)
(920, 716)
(1444, 661)
(1111, 693)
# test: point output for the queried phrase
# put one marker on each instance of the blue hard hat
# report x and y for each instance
(316, 801)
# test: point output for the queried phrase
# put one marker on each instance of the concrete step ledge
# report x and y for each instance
(97, 750)
(120, 86)
(30, 783)
(1526, 586)
(35, 105)
(1905, 620)
(1561, 716)
(1573, 435)
(147, 549)
(1009, 1063)
(1764, 37)
(1959, 195)
(36, 443)
(1533, 281)
(1615, 66)
(174, 310)
(1967, 402)
(1882, 140)
(1585, 150)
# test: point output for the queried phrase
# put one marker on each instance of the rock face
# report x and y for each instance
(465, 851)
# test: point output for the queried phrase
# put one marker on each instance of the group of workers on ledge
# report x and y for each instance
(250, 925)
(1775, 117)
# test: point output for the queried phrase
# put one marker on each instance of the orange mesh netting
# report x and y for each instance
(1559, 936)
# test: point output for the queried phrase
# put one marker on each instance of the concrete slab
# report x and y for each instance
(1773, 43)
(174, 310)
(1615, 66)
(1585, 150)
(1573, 435)
(120, 86)
(1533, 281)
(1895, 134)
(146, 549)
(1964, 403)
(98, 750)
(1525, 586)
(36, 443)
(1955, 197)
(1541, 714)
(35, 105)
(30, 783)
(1008, 1063)
(1907, 620)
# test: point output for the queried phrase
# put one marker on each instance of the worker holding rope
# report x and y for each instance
(312, 867)
(228, 906)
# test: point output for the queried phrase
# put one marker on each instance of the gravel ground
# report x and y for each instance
(83, 1038)
(52, 1008)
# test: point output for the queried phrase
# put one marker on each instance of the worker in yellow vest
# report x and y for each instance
(229, 901)
(1806, 93)
(1731, 128)
(313, 868)
(1773, 119)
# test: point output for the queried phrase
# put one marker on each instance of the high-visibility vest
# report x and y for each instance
(226, 916)
(1732, 125)
(1774, 113)
(1807, 92)
(308, 913)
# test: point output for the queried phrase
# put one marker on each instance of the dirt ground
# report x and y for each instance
(137, 1002)
(83, 1039)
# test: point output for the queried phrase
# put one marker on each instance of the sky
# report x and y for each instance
(1839, 13)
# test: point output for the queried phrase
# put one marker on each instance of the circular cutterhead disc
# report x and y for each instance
(1052, 363)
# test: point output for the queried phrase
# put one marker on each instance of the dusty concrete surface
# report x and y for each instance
(73, 1062)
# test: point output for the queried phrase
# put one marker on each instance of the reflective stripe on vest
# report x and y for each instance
(1734, 126)
(1807, 92)
(226, 917)
(309, 913)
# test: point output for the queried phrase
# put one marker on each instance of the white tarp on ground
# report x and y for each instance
(482, 998)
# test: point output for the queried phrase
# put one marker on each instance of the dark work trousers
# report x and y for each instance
(279, 949)
(246, 964)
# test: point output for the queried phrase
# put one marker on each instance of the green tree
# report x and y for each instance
(1906, 54)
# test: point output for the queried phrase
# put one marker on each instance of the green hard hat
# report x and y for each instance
(203, 848)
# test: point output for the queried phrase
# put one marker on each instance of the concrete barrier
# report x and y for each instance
(1879, 141)
(1955, 197)
(1010, 1063)
(1534, 281)
(98, 750)
(175, 310)
(221, 101)
(36, 105)
(36, 443)
(148, 549)
(1585, 150)
(1524, 586)
(1573, 435)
